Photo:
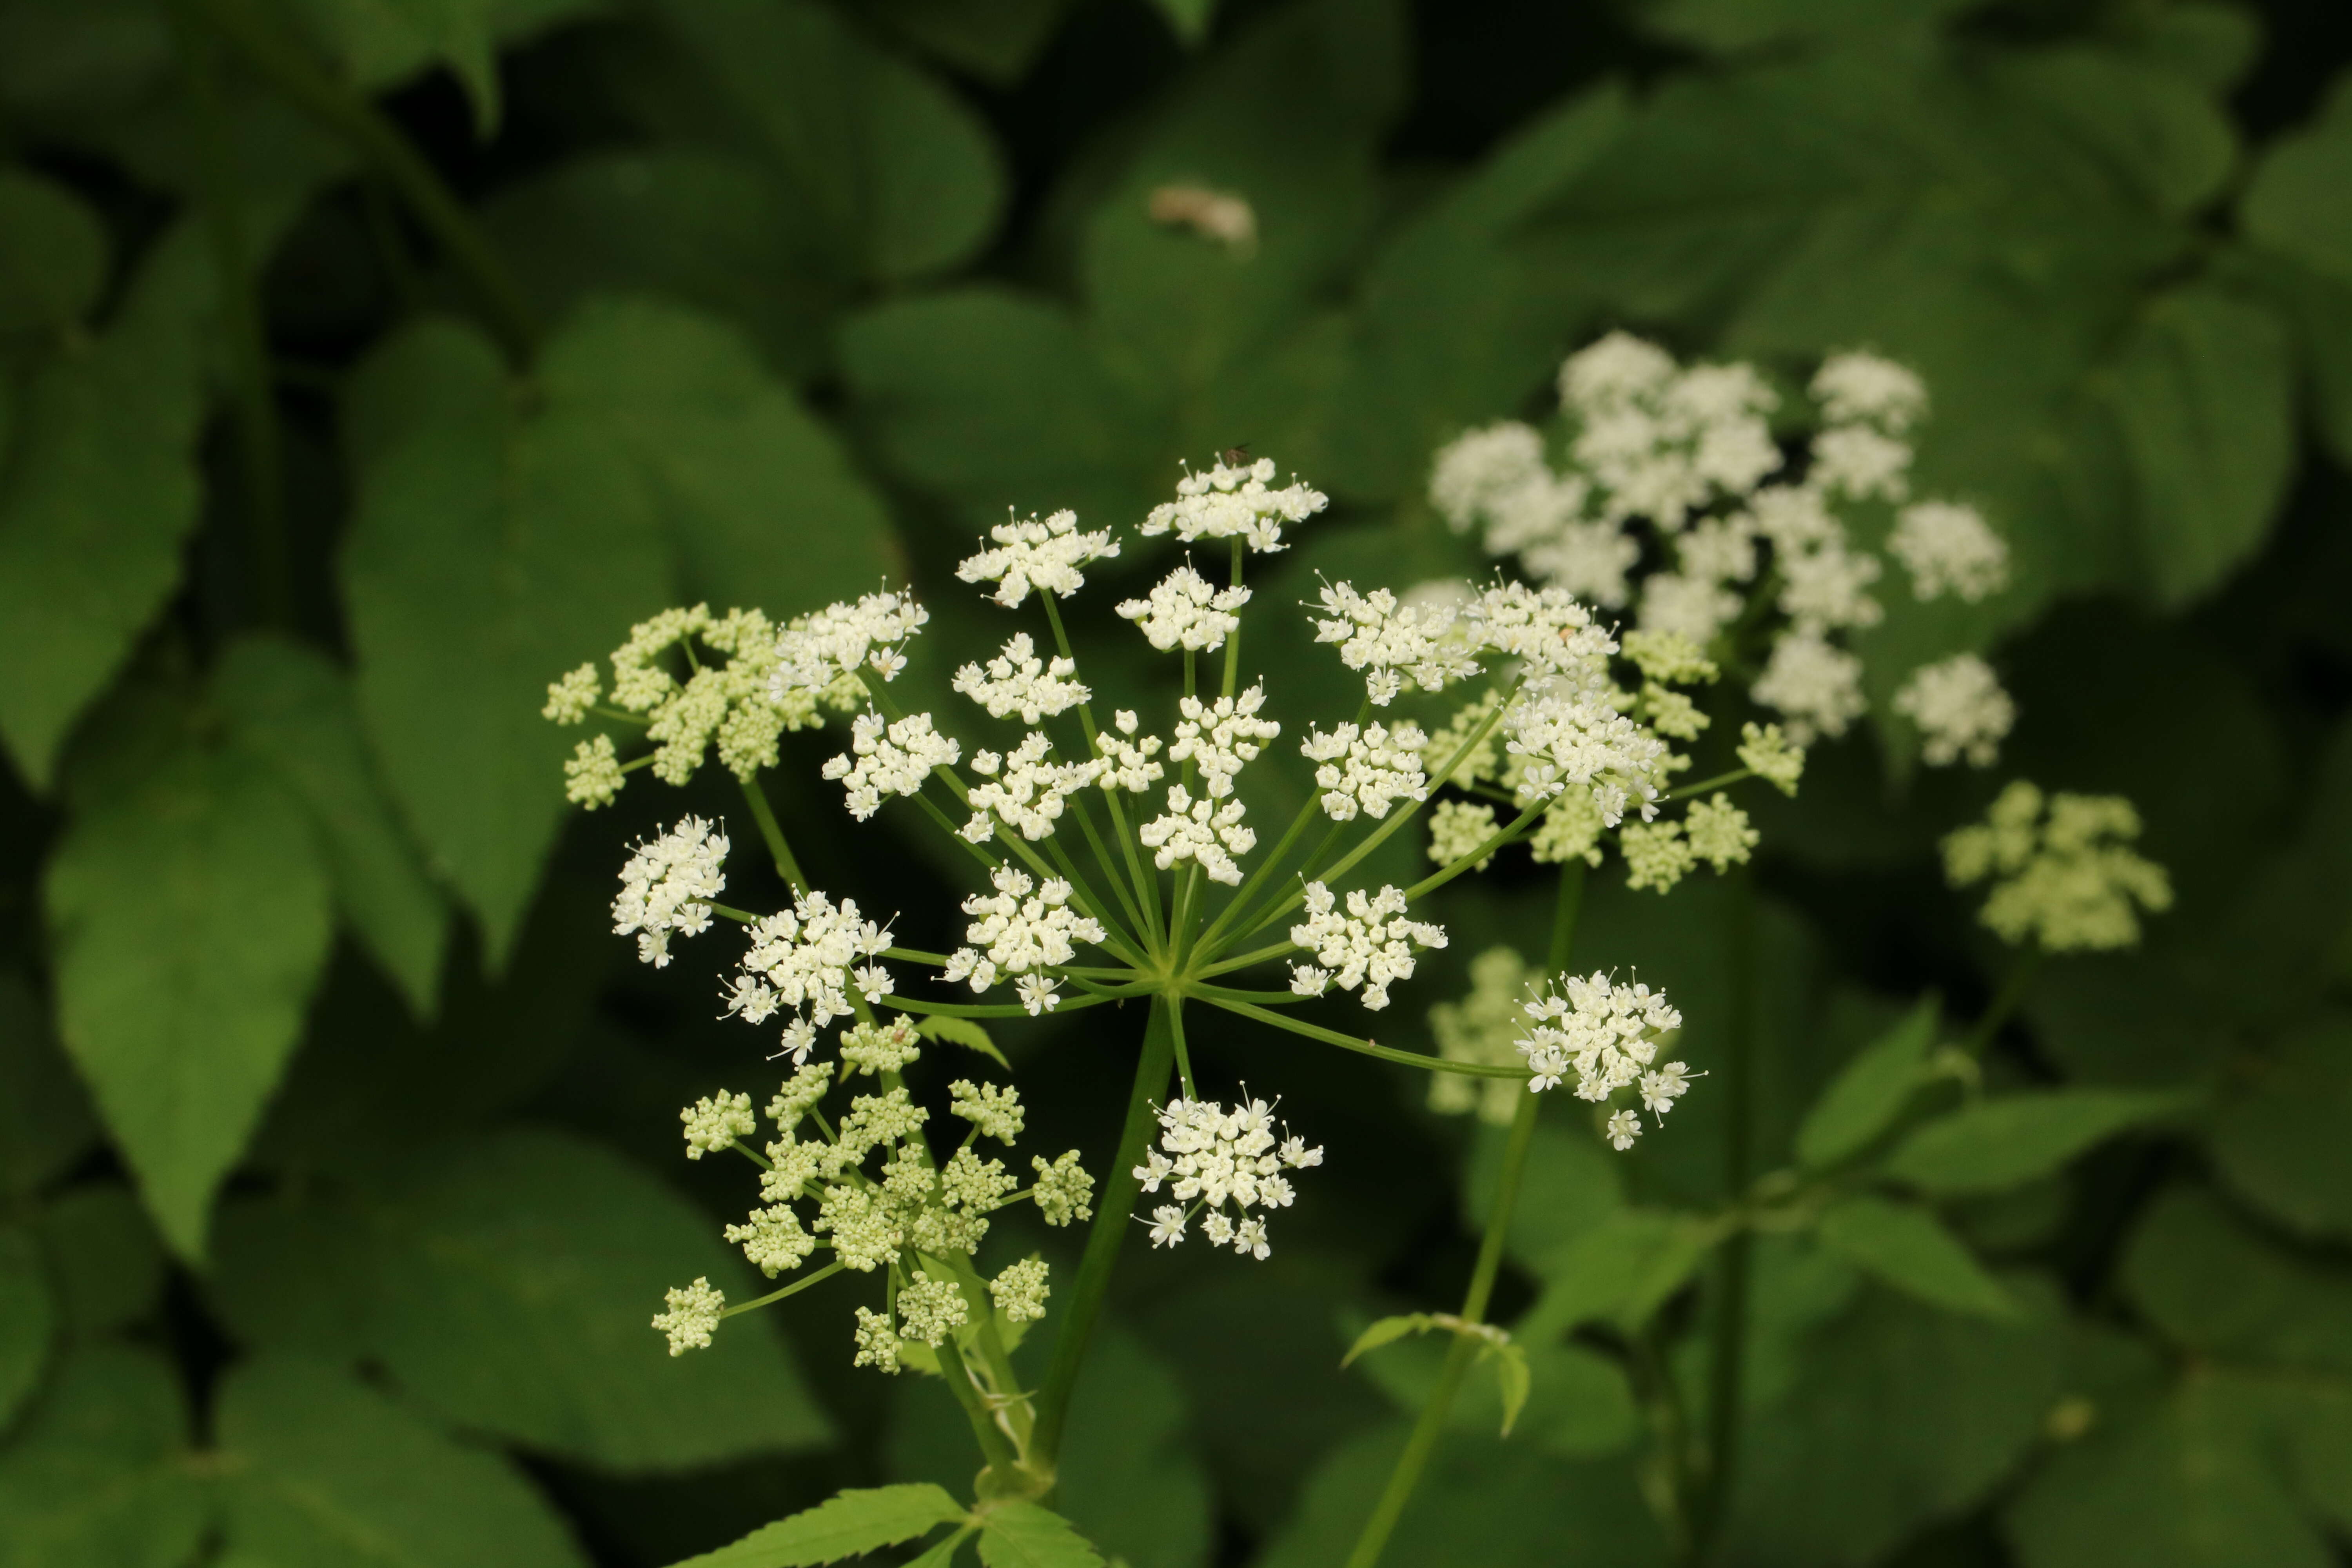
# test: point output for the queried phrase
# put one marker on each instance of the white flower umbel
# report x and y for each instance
(1545, 628)
(1479, 469)
(2071, 881)
(1018, 683)
(1223, 1163)
(1218, 737)
(1201, 831)
(1367, 771)
(1044, 554)
(1603, 1033)
(1861, 464)
(1020, 929)
(1127, 760)
(846, 640)
(1031, 794)
(888, 760)
(1185, 610)
(668, 886)
(1393, 642)
(1961, 709)
(1370, 945)
(1857, 388)
(1828, 588)
(693, 1313)
(799, 962)
(1817, 685)
(1948, 548)
(1226, 501)
(1775, 759)
(1661, 442)
(1694, 608)
(1581, 740)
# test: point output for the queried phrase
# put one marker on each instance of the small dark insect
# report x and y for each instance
(1234, 457)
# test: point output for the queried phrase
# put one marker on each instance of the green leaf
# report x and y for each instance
(995, 40)
(103, 1257)
(97, 1475)
(758, 495)
(293, 710)
(97, 488)
(2187, 1483)
(1388, 1330)
(494, 545)
(52, 255)
(188, 907)
(990, 399)
(845, 1525)
(45, 1119)
(1131, 1477)
(2279, 1137)
(2203, 396)
(1892, 1416)
(1481, 1501)
(964, 1032)
(324, 1472)
(1512, 1378)
(710, 229)
(1023, 1535)
(1994, 1144)
(897, 174)
(1909, 1249)
(1620, 1270)
(1188, 19)
(2299, 202)
(1734, 24)
(1864, 1100)
(2214, 1285)
(506, 1282)
(2165, 133)
(28, 1318)
(388, 41)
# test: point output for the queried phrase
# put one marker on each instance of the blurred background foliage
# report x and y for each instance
(364, 364)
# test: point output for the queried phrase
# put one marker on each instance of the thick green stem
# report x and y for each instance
(994, 1444)
(764, 815)
(1726, 1363)
(301, 82)
(1113, 1202)
(1465, 1349)
(260, 443)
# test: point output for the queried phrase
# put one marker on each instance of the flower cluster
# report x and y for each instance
(1186, 611)
(2062, 870)
(1370, 945)
(802, 960)
(668, 886)
(1367, 771)
(1961, 709)
(1607, 1035)
(888, 760)
(846, 642)
(1234, 501)
(725, 697)
(1391, 642)
(1687, 454)
(869, 1191)
(1043, 554)
(1223, 1163)
(1018, 682)
(1026, 791)
(1021, 930)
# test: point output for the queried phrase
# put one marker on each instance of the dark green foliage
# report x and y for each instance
(338, 1148)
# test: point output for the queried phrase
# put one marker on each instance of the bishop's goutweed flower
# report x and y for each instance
(1117, 858)
(1219, 1165)
(1606, 1035)
(1754, 549)
(2062, 870)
